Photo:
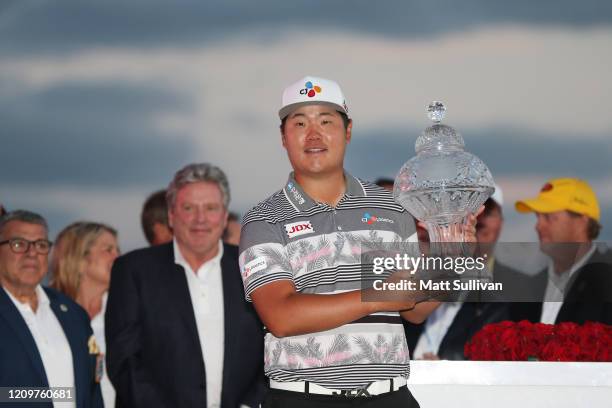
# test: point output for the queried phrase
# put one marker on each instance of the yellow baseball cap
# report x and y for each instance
(563, 194)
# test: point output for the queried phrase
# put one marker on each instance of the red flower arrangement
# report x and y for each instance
(522, 341)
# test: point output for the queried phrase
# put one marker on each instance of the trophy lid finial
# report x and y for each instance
(436, 111)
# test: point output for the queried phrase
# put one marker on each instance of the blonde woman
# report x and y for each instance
(81, 266)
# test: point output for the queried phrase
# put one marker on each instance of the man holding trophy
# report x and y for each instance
(300, 259)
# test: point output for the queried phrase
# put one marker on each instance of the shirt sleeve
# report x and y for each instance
(263, 257)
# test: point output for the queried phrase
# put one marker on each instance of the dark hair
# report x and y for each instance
(490, 206)
(345, 121)
(231, 216)
(384, 181)
(155, 210)
(23, 216)
(593, 227)
(2, 210)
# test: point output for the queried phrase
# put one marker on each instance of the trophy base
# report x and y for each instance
(449, 232)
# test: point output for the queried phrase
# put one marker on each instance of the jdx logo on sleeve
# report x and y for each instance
(295, 229)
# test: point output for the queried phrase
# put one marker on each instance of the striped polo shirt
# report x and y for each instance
(289, 236)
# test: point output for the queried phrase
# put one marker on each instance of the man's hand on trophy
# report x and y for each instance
(469, 228)
(463, 243)
(455, 239)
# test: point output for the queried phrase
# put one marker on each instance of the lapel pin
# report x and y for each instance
(63, 308)
(92, 345)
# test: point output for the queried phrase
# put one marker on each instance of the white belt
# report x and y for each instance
(375, 388)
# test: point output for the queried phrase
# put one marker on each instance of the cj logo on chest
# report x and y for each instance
(295, 229)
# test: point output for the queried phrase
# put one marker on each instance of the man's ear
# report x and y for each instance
(349, 131)
(585, 223)
(225, 219)
(170, 217)
(283, 138)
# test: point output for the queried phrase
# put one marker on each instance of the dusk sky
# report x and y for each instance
(101, 102)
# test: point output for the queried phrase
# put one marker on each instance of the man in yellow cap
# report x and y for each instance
(577, 285)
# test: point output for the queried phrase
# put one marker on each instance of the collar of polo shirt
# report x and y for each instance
(302, 202)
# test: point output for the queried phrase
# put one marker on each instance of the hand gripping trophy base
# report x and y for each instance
(449, 232)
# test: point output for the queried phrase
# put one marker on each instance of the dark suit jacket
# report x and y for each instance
(153, 350)
(589, 297)
(20, 361)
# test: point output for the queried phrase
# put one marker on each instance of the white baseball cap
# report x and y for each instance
(309, 91)
(498, 195)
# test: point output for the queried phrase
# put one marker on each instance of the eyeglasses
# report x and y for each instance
(21, 245)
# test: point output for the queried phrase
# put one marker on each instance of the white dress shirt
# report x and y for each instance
(556, 288)
(435, 329)
(206, 290)
(97, 325)
(50, 340)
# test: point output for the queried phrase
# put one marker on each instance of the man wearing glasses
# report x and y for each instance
(46, 339)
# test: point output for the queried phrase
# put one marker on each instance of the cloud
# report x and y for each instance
(507, 152)
(51, 27)
(546, 80)
(121, 118)
(90, 134)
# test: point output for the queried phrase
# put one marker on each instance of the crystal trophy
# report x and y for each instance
(443, 183)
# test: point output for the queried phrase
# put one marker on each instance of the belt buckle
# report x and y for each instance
(360, 392)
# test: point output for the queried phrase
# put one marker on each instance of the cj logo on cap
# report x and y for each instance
(295, 229)
(310, 89)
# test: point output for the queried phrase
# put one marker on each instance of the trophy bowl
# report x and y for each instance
(443, 183)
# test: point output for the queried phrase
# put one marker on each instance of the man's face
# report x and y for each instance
(488, 227)
(22, 272)
(198, 219)
(316, 140)
(560, 227)
(161, 234)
